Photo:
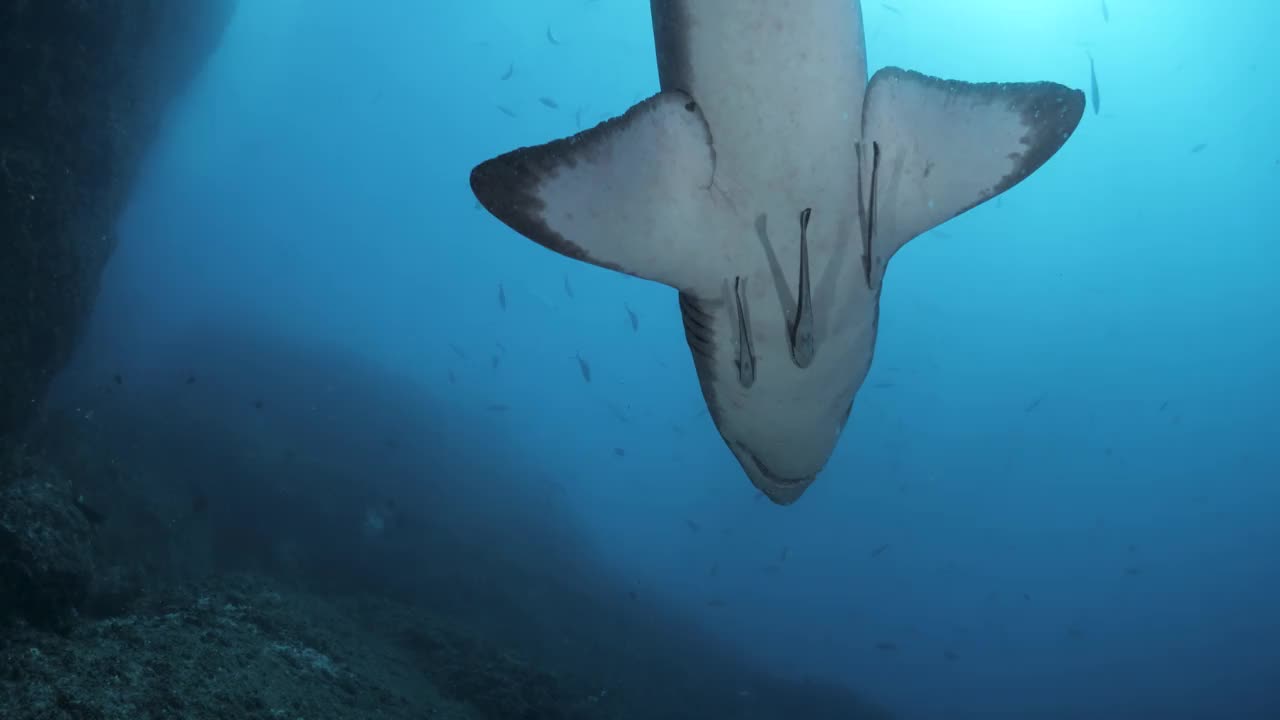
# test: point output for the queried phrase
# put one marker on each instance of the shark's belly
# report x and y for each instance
(781, 85)
(780, 409)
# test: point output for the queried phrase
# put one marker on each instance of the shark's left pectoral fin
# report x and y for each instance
(631, 194)
(935, 148)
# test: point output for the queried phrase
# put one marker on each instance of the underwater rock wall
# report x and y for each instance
(83, 88)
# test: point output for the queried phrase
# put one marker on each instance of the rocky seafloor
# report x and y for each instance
(246, 647)
(95, 624)
(81, 639)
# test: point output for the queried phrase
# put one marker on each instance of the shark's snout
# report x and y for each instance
(781, 489)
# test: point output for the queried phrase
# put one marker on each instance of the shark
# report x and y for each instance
(770, 182)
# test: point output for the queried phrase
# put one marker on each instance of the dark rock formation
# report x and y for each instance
(83, 86)
(46, 556)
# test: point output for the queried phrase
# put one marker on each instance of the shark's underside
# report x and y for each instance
(770, 183)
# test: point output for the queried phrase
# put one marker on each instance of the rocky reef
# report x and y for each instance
(46, 562)
(83, 89)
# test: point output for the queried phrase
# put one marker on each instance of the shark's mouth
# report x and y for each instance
(770, 475)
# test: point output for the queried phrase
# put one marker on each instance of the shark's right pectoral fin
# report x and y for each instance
(631, 194)
(935, 148)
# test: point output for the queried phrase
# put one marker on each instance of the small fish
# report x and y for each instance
(1164, 405)
(496, 359)
(551, 38)
(1026, 596)
(584, 367)
(884, 385)
(568, 289)
(715, 569)
(693, 526)
(1093, 87)
(886, 646)
(577, 118)
(950, 656)
(118, 378)
(510, 71)
(879, 550)
(635, 320)
(549, 102)
(716, 603)
(506, 110)
(191, 379)
(633, 594)
(1133, 571)
(257, 404)
(617, 412)
(502, 297)
(499, 407)
(1034, 403)
(1106, 14)
(782, 556)
(891, 9)
(453, 379)
(620, 452)
(1199, 147)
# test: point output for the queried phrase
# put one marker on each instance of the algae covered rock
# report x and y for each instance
(46, 552)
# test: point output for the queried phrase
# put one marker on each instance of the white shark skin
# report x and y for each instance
(702, 187)
(781, 85)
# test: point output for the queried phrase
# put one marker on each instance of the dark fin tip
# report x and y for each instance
(507, 185)
(1050, 112)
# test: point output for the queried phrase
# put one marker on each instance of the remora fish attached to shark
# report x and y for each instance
(770, 183)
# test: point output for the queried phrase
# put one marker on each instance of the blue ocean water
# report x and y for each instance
(1057, 495)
